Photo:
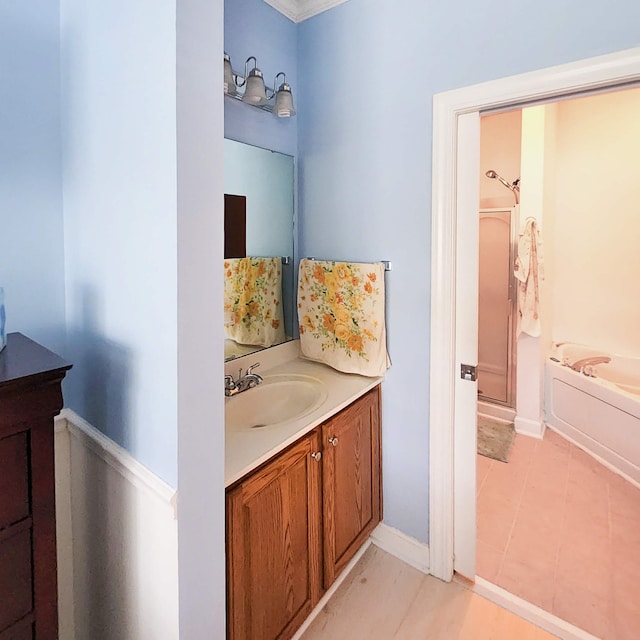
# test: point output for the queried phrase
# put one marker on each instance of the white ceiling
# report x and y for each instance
(299, 10)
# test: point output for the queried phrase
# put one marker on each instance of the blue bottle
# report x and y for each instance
(3, 321)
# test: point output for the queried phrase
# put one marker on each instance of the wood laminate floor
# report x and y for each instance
(385, 599)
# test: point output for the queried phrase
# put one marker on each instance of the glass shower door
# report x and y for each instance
(496, 373)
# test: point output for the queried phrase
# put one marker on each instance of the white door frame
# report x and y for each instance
(452, 468)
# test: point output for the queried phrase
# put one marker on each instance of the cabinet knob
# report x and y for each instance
(333, 441)
(317, 456)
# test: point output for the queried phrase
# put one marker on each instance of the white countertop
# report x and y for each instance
(247, 449)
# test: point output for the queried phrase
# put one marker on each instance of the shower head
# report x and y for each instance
(515, 187)
(494, 176)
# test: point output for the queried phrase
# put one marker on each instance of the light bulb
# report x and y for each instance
(255, 92)
(229, 82)
(284, 102)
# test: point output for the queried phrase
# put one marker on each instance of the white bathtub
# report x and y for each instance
(601, 414)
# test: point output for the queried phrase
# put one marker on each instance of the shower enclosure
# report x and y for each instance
(497, 306)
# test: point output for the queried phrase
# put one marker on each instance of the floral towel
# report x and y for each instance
(253, 300)
(341, 315)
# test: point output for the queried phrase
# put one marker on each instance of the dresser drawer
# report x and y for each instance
(22, 630)
(16, 586)
(14, 479)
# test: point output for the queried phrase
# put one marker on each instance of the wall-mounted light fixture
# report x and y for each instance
(254, 91)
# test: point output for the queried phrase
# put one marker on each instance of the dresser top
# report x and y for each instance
(23, 358)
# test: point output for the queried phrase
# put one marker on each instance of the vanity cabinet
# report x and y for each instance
(273, 545)
(30, 397)
(351, 481)
(294, 524)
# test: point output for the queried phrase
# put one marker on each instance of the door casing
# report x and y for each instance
(455, 179)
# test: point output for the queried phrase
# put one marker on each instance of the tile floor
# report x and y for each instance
(560, 530)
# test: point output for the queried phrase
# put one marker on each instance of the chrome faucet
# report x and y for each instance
(581, 365)
(248, 381)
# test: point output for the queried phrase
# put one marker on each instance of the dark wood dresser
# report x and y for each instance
(30, 397)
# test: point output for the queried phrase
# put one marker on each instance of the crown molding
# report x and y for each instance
(299, 10)
(288, 8)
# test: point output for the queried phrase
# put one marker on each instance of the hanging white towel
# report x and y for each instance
(341, 315)
(529, 272)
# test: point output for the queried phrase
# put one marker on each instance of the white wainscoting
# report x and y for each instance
(117, 540)
(118, 546)
(63, 531)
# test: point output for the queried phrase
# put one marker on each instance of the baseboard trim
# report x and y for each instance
(402, 546)
(530, 612)
(117, 458)
(331, 590)
(527, 427)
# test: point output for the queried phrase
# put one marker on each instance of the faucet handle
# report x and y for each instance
(255, 365)
(229, 384)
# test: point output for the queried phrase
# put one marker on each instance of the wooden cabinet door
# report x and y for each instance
(351, 481)
(274, 546)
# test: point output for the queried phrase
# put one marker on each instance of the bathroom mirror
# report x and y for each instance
(259, 212)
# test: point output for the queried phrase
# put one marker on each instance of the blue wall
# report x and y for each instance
(118, 66)
(31, 238)
(88, 98)
(253, 28)
(368, 70)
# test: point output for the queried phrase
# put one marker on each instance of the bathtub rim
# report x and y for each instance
(615, 387)
(591, 386)
(584, 351)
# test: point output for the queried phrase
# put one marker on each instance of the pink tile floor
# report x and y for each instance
(561, 531)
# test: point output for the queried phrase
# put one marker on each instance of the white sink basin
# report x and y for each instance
(280, 398)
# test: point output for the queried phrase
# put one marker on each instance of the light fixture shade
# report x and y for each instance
(255, 92)
(284, 102)
(229, 83)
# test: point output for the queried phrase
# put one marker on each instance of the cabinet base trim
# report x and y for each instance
(331, 590)
(402, 546)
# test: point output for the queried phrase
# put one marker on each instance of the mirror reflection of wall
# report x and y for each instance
(259, 187)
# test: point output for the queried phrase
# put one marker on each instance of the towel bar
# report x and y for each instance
(386, 263)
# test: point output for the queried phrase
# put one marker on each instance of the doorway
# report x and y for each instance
(552, 514)
(454, 280)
